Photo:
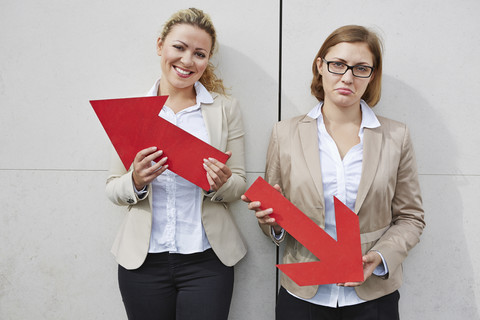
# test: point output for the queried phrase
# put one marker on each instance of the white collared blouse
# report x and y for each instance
(176, 203)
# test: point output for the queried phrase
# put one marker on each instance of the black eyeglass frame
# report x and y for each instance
(349, 68)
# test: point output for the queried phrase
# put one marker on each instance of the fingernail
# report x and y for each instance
(211, 159)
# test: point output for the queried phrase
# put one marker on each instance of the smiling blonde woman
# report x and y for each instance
(178, 244)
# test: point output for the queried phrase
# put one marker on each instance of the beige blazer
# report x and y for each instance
(224, 125)
(388, 204)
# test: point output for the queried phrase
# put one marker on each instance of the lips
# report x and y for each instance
(344, 91)
(182, 72)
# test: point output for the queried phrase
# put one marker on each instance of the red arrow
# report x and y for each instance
(341, 260)
(133, 124)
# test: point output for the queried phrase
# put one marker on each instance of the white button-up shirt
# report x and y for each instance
(340, 179)
(177, 203)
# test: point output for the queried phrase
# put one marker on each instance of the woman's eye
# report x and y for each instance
(338, 64)
(200, 54)
(177, 47)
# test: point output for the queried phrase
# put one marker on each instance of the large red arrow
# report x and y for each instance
(133, 124)
(340, 261)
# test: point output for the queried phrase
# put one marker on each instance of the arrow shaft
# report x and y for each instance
(341, 260)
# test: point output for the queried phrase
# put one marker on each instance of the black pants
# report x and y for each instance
(177, 287)
(383, 308)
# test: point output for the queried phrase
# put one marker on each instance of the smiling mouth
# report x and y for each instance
(183, 72)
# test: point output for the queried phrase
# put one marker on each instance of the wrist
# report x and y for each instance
(135, 184)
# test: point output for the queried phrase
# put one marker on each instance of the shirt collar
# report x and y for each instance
(203, 96)
(369, 119)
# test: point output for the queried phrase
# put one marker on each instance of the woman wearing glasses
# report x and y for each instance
(342, 149)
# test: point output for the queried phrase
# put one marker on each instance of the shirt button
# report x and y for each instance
(218, 199)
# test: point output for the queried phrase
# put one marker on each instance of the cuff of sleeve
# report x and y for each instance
(277, 238)
(382, 269)
(140, 193)
(209, 193)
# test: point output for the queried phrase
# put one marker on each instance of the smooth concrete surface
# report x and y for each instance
(442, 278)
(56, 232)
(56, 225)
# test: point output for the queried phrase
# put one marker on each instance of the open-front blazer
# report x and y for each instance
(224, 125)
(388, 204)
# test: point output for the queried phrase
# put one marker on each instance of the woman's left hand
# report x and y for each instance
(217, 172)
(370, 261)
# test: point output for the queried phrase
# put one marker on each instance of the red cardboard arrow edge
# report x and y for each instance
(340, 261)
(133, 124)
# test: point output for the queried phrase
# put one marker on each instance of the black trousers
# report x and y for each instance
(177, 287)
(290, 307)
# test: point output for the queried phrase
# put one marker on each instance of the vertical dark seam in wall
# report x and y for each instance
(280, 61)
(277, 253)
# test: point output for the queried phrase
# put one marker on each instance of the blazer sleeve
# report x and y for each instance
(407, 212)
(237, 183)
(273, 175)
(120, 188)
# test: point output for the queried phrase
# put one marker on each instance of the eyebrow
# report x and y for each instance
(186, 45)
(356, 64)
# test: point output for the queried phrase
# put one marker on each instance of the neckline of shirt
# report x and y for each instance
(369, 119)
(203, 95)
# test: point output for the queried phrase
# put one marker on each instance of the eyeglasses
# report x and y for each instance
(359, 70)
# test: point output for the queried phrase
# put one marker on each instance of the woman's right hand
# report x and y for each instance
(143, 170)
(263, 216)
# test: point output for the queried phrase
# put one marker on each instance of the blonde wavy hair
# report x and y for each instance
(199, 19)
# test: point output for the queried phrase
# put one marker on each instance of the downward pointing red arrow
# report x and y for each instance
(340, 261)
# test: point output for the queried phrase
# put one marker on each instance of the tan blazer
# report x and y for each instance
(224, 124)
(388, 204)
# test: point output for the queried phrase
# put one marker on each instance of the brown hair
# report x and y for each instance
(199, 19)
(352, 33)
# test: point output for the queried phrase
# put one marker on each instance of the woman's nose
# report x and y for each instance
(348, 76)
(187, 59)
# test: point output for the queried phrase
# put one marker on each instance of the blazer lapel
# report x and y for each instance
(309, 140)
(213, 121)
(372, 144)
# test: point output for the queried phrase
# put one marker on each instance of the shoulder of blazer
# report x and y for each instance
(294, 122)
(221, 102)
(390, 123)
(221, 98)
(391, 128)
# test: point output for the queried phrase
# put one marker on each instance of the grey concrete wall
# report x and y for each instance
(56, 225)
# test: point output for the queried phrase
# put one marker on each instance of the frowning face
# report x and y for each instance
(345, 90)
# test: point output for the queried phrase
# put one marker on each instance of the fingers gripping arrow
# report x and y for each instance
(133, 124)
(340, 261)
